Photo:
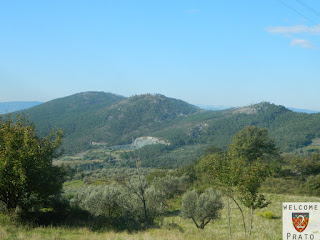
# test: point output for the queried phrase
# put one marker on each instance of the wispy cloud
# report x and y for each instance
(314, 30)
(304, 43)
(297, 34)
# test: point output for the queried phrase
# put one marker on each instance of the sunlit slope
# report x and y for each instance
(290, 130)
(106, 118)
(111, 120)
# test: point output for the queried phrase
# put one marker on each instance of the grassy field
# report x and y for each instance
(170, 228)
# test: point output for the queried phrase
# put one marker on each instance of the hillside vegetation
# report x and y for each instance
(107, 118)
(111, 120)
(113, 193)
(172, 227)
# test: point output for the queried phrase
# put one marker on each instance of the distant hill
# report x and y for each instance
(73, 114)
(217, 108)
(8, 107)
(108, 120)
(303, 110)
(290, 130)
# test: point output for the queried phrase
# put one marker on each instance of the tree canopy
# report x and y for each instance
(245, 166)
(27, 176)
(201, 208)
(252, 143)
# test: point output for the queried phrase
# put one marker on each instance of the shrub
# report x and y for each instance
(142, 202)
(170, 185)
(266, 214)
(201, 208)
(100, 200)
(134, 202)
(28, 178)
(313, 184)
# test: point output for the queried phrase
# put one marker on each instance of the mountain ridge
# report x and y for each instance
(218, 108)
(114, 120)
(104, 117)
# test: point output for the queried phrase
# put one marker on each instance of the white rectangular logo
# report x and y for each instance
(301, 220)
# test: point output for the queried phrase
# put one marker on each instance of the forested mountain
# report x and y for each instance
(73, 114)
(109, 120)
(290, 130)
(8, 107)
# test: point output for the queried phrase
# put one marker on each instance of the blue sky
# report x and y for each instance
(230, 53)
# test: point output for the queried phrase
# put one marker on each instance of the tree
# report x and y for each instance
(304, 166)
(313, 184)
(253, 148)
(101, 200)
(223, 171)
(27, 176)
(252, 143)
(249, 160)
(250, 182)
(201, 208)
(142, 202)
(171, 186)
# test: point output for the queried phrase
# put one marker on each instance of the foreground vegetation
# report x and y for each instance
(226, 194)
(170, 227)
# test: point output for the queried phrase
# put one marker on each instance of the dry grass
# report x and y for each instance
(172, 228)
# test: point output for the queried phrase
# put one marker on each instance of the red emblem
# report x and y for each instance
(300, 221)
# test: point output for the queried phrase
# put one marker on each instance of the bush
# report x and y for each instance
(201, 208)
(170, 185)
(142, 202)
(173, 226)
(100, 200)
(28, 178)
(134, 202)
(266, 214)
(313, 184)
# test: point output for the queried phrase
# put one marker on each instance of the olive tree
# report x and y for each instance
(27, 175)
(171, 185)
(201, 208)
(101, 200)
(134, 201)
(142, 201)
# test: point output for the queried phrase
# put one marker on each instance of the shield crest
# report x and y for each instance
(300, 221)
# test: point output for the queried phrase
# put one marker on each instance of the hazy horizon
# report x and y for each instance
(14, 104)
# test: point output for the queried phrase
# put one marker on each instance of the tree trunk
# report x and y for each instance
(195, 222)
(11, 202)
(243, 220)
(204, 223)
(251, 219)
(145, 212)
(229, 220)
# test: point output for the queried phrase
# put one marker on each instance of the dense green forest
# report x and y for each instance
(92, 120)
